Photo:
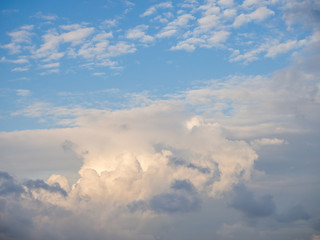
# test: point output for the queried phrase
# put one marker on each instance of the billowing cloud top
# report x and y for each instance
(161, 120)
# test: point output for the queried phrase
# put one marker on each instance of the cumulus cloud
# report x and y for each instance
(152, 164)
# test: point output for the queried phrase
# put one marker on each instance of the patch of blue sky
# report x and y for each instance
(152, 48)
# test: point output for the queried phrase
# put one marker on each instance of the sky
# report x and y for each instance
(160, 120)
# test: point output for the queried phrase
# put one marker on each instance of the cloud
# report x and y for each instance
(284, 47)
(271, 48)
(174, 26)
(20, 69)
(184, 185)
(121, 48)
(139, 33)
(266, 141)
(172, 203)
(45, 17)
(8, 185)
(40, 184)
(245, 202)
(257, 15)
(302, 12)
(19, 39)
(154, 8)
(294, 213)
(50, 65)
(23, 92)
(77, 36)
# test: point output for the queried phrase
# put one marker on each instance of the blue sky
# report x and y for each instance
(157, 48)
(143, 116)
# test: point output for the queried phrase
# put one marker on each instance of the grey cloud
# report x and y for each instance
(293, 214)
(245, 202)
(306, 12)
(184, 185)
(67, 146)
(8, 185)
(174, 203)
(175, 161)
(40, 184)
(139, 205)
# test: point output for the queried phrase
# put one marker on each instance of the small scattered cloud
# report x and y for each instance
(9, 11)
(20, 69)
(19, 39)
(154, 8)
(110, 22)
(47, 17)
(51, 65)
(99, 73)
(139, 33)
(23, 92)
(257, 15)
(266, 142)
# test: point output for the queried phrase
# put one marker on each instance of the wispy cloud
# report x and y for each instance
(48, 17)
(23, 92)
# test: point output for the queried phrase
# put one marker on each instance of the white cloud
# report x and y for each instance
(208, 22)
(99, 74)
(225, 3)
(110, 22)
(19, 38)
(174, 26)
(77, 36)
(154, 8)
(219, 37)
(284, 47)
(20, 69)
(120, 48)
(248, 3)
(257, 15)
(23, 92)
(50, 46)
(102, 36)
(188, 44)
(139, 32)
(50, 65)
(143, 168)
(20, 60)
(42, 16)
(266, 142)
(271, 48)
